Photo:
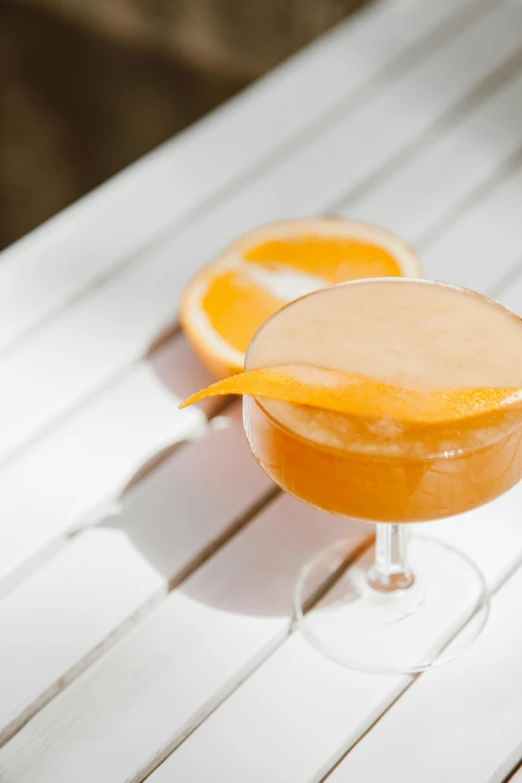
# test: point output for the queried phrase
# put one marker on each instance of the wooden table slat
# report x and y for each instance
(511, 292)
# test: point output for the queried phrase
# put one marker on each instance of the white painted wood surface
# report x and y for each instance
(511, 292)
(166, 676)
(110, 227)
(428, 147)
(61, 617)
(112, 572)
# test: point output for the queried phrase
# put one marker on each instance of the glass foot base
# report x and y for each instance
(404, 631)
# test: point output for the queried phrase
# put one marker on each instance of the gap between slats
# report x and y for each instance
(513, 776)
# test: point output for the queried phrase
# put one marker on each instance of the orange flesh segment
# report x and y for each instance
(334, 259)
(361, 396)
(236, 307)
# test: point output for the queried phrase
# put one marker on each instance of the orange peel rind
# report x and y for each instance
(359, 395)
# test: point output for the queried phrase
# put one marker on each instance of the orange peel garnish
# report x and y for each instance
(359, 395)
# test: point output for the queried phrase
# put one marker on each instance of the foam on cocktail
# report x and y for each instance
(410, 333)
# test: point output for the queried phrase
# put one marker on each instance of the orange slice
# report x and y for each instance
(361, 396)
(226, 303)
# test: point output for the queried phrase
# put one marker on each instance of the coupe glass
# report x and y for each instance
(396, 607)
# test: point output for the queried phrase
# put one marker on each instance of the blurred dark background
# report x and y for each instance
(88, 86)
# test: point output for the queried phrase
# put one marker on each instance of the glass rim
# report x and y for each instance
(443, 454)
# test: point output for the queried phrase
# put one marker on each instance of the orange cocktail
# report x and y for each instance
(418, 334)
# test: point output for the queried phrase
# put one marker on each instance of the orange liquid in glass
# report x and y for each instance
(412, 333)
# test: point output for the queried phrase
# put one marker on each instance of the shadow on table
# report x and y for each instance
(239, 554)
(256, 572)
(249, 571)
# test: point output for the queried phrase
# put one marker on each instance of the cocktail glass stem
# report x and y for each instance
(391, 570)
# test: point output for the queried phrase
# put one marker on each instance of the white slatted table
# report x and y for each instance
(145, 619)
